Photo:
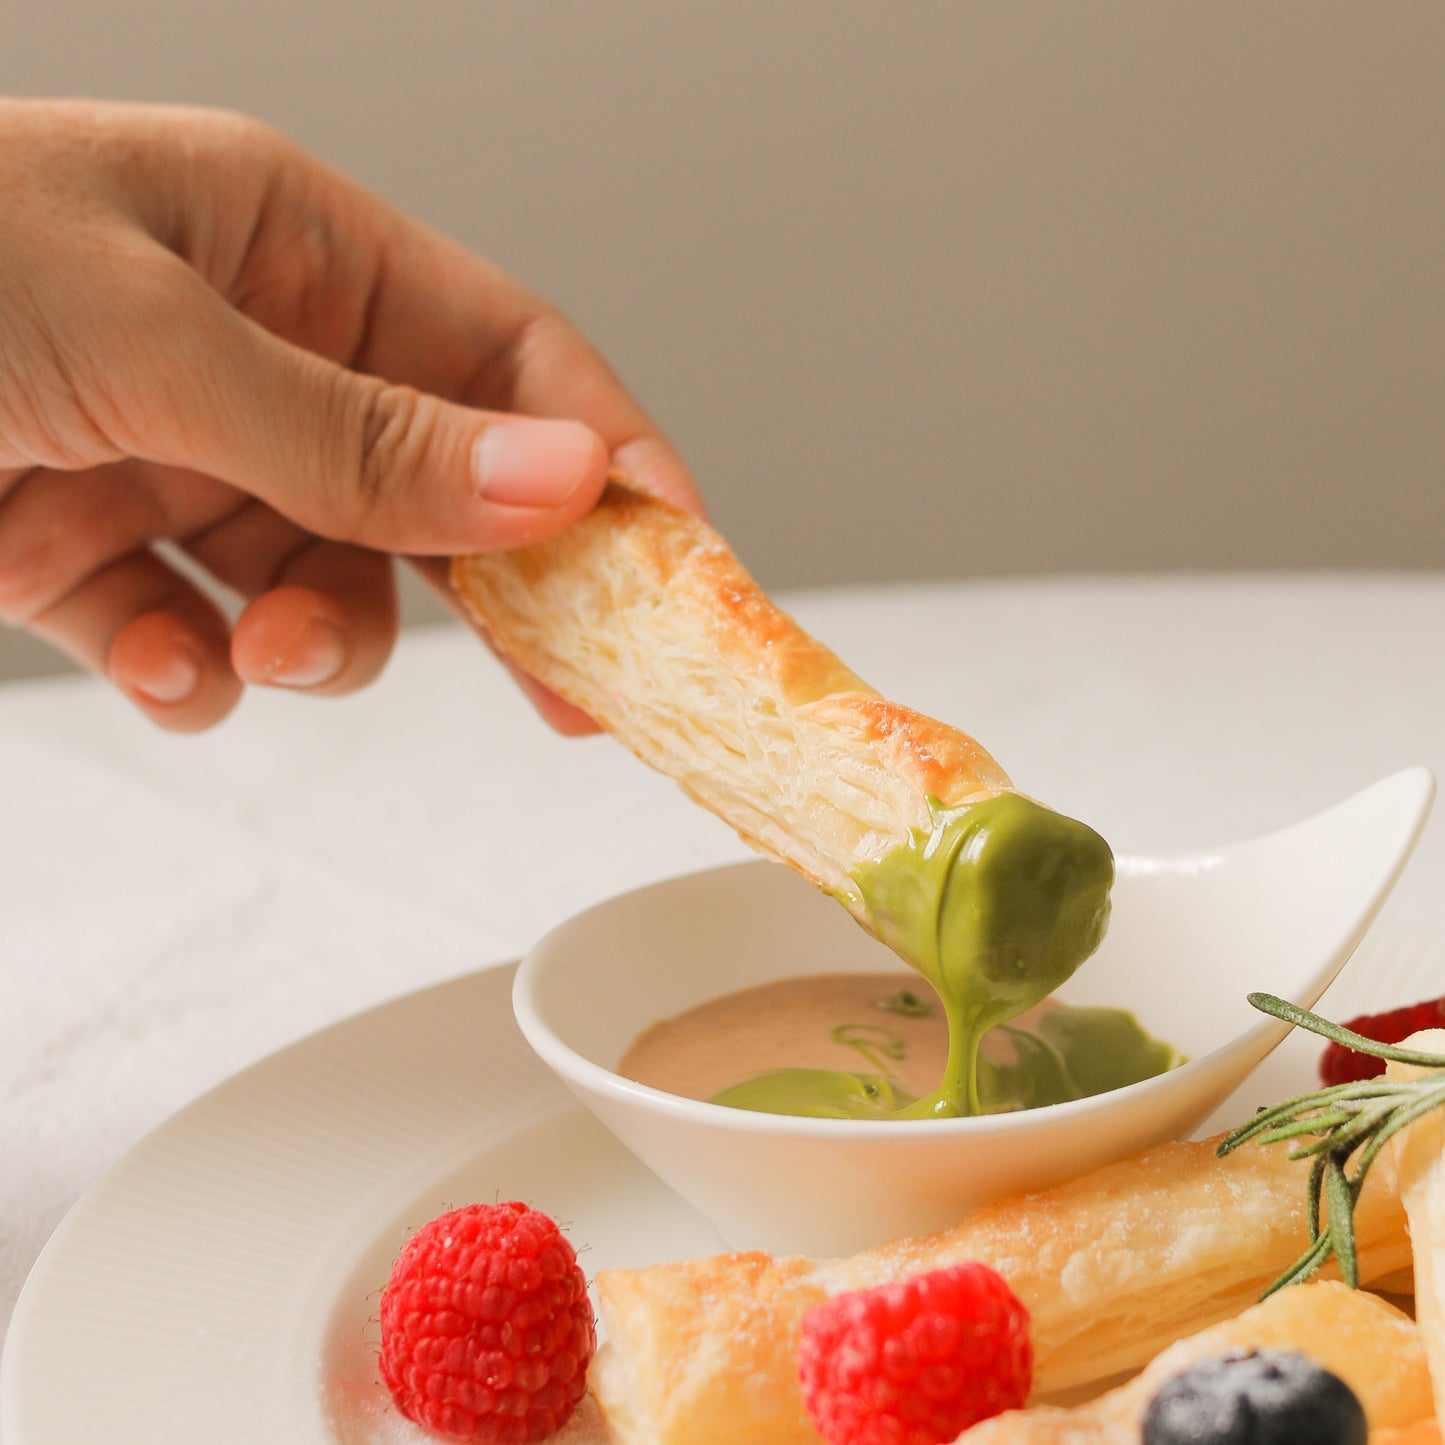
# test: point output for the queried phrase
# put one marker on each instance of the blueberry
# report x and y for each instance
(1266, 1397)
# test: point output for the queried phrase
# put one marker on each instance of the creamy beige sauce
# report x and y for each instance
(794, 1024)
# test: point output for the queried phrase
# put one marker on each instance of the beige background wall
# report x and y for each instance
(919, 289)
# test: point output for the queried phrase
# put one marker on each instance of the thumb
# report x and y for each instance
(350, 456)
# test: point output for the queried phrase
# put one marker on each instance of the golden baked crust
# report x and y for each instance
(1423, 1432)
(1113, 1267)
(1373, 1347)
(688, 1375)
(642, 616)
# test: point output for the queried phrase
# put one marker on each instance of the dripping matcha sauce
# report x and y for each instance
(995, 905)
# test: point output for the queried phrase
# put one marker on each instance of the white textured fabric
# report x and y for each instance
(172, 909)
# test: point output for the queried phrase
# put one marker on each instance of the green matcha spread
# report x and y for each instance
(996, 906)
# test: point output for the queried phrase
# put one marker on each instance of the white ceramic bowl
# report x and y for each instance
(1190, 938)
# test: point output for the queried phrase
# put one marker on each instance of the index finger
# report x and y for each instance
(328, 265)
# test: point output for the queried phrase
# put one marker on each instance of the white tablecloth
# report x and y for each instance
(174, 908)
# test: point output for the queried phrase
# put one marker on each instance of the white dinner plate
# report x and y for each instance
(221, 1282)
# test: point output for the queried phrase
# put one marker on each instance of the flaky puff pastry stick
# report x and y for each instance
(1372, 1346)
(1423, 1432)
(1419, 1156)
(641, 615)
(1113, 1267)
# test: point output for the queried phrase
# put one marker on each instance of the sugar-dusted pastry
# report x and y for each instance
(1372, 1346)
(1420, 1163)
(1423, 1432)
(642, 616)
(1112, 1267)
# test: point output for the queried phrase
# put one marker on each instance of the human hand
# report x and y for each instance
(209, 339)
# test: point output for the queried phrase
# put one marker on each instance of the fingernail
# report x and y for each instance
(173, 681)
(529, 462)
(316, 655)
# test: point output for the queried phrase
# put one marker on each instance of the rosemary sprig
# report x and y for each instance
(1342, 1128)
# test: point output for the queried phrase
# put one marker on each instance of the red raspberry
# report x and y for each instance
(1339, 1065)
(918, 1362)
(486, 1328)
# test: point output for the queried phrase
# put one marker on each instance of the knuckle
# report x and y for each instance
(29, 579)
(236, 132)
(392, 439)
(59, 534)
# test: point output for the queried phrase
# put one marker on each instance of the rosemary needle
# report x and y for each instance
(1338, 1125)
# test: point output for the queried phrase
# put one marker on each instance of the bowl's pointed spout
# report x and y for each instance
(1281, 913)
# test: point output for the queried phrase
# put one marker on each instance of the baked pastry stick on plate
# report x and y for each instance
(1372, 1346)
(642, 616)
(1112, 1267)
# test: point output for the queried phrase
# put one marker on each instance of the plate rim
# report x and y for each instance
(1414, 951)
(54, 1253)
